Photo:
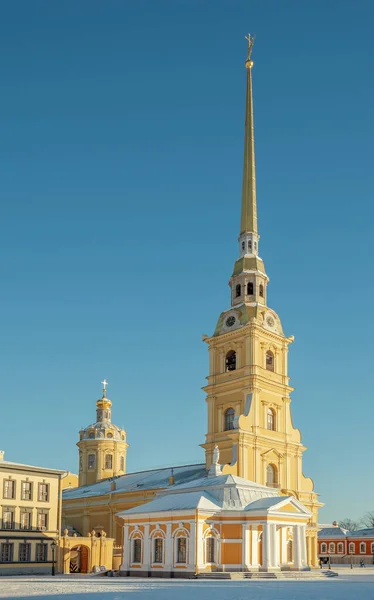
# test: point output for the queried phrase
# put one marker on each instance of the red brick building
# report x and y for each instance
(343, 546)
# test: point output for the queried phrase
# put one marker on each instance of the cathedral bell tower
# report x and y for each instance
(102, 446)
(248, 391)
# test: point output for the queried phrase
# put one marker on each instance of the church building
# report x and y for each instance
(249, 507)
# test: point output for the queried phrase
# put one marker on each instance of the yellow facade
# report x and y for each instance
(102, 446)
(248, 390)
(31, 517)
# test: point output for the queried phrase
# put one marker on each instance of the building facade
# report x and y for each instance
(102, 446)
(249, 424)
(30, 518)
(341, 546)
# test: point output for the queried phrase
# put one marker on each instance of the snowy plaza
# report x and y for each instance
(344, 587)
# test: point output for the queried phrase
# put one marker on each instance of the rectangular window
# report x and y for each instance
(8, 519)
(43, 495)
(91, 461)
(210, 550)
(182, 550)
(24, 552)
(41, 552)
(158, 550)
(42, 520)
(25, 520)
(108, 461)
(137, 551)
(26, 490)
(6, 554)
(9, 489)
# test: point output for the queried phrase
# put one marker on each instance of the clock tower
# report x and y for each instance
(248, 390)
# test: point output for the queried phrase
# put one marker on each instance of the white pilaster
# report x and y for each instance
(303, 553)
(200, 544)
(146, 548)
(192, 546)
(284, 558)
(296, 547)
(126, 549)
(266, 546)
(276, 542)
(254, 548)
(168, 548)
(246, 547)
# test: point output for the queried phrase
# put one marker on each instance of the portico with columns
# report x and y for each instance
(218, 523)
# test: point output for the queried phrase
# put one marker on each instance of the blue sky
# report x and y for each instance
(120, 179)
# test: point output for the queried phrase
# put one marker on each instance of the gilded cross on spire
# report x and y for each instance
(251, 41)
(104, 384)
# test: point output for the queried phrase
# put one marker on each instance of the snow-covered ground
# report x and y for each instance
(345, 587)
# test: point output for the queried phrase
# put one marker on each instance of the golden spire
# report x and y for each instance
(249, 207)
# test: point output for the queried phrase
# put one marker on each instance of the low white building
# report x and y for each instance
(215, 523)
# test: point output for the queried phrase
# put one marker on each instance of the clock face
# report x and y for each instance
(270, 321)
(230, 321)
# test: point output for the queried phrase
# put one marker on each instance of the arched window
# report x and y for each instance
(249, 244)
(210, 550)
(269, 360)
(250, 288)
(238, 290)
(91, 435)
(351, 548)
(181, 550)
(109, 435)
(108, 461)
(91, 461)
(323, 548)
(261, 290)
(137, 551)
(332, 548)
(271, 419)
(231, 360)
(122, 463)
(272, 476)
(229, 419)
(372, 547)
(340, 548)
(362, 548)
(158, 550)
(243, 245)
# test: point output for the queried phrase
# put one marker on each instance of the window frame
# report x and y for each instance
(22, 513)
(45, 514)
(270, 366)
(271, 419)
(158, 550)
(107, 456)
(210, 550)
(238, 290)
(43, 491)
(331, 547)
(137, 546)
(230, 361)
(24, 546)
(13, 487)
(10, 551)
(352, 548)
(275, 476)
(121, 463)
(38, 547)
(10, 524)
(182, 540)
(229, 416)
(340, 549)
(363, 544)
(91, 465)
(323, 548)
(250, 286)
(23, 491)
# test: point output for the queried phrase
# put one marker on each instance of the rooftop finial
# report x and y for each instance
(251, 41)
(104, 384)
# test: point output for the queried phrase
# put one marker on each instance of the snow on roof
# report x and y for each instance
(329, 532)
(173, 502)
(15, 465)
(265, 503)
(362, 533)
(135, 482)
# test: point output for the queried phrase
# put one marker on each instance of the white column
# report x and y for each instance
(146, 548)
(303, 554)
(168, 548)
(199, 543)
(276, 553)
(254, 542)
(126, 549)
(246, 547)
(266, 546)
(296, 547)
(192, 546)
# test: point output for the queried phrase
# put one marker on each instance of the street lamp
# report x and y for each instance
(53, 546)
(351, 556)
(328, 558)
